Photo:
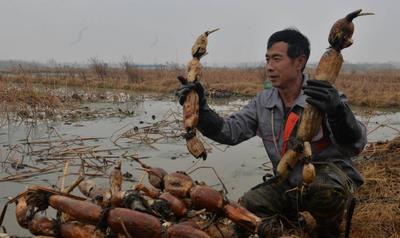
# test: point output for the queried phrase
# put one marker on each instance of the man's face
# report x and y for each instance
(281, 69)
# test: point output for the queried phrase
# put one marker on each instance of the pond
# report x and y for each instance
(152, 132)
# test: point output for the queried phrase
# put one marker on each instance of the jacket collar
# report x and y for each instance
(274, 100)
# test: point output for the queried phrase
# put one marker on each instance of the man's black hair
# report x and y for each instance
(298, 44)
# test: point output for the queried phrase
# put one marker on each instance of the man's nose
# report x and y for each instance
(268, 66)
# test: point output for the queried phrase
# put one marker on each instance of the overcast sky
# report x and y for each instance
(151, 31)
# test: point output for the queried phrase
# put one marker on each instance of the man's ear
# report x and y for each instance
(301, 62)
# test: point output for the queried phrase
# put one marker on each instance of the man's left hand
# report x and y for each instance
(323, 96)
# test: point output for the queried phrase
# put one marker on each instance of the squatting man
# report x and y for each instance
(274, 116)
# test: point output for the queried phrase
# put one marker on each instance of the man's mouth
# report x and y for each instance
(273, 77)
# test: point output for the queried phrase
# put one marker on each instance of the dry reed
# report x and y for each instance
(378, 211)
(363, 88)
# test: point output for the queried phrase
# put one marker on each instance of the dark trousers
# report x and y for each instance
(325, 199)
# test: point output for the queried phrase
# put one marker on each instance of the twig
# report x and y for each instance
(74, 184)
(69, 140)
(64, 176)
(216, 174)
(29, 174)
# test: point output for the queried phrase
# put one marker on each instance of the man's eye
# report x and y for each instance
(277, 59)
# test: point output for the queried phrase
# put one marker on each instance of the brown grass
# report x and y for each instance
(378, 211)
(28, 102)
(373, 88)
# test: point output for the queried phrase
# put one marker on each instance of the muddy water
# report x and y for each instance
(240, 167)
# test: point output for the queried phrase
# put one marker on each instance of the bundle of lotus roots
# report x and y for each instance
(171, 205)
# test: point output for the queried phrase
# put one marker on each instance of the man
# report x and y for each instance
(273, 115)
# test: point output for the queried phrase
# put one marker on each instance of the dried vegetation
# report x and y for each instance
(378, 211)
(24, 102)
(363, 88)
(375, 88)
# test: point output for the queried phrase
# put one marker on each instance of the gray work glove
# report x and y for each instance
(323, 96)
(210, 123)
(326, 98)
(186, 87)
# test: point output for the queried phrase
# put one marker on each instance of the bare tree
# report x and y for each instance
(132, 71)
(100, 68)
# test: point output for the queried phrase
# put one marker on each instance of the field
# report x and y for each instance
(28, 94)
(363, 87)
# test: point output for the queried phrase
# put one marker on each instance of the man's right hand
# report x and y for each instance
(186, 87)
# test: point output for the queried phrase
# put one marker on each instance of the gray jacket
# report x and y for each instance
(264, 116)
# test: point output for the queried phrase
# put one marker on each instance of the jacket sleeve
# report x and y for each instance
(346, 132)
(232, 130)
